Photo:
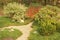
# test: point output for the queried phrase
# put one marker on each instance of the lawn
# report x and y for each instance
(5, 22)
(9, 34)
(36, 36)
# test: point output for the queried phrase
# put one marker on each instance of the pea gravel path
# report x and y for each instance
(25, 29)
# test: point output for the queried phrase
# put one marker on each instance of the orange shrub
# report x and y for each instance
(32, 11)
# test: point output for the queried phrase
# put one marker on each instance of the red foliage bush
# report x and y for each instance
(32, 11)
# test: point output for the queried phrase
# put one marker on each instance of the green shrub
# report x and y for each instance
(57, 11)
(46, 20)
(53, 8)
(15, 11)
(58, 26)
(12, 33)
(4, 22)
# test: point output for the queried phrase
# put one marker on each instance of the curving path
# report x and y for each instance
(25, 29)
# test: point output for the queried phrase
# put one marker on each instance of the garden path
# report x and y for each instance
(25, 29)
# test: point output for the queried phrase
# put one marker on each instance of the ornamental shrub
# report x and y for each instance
(32, 10)
(46, 20)
(58, 26)
(15, 11)
(53, 8)
(57, 11)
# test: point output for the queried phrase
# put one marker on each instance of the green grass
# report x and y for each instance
(4, 22)
(9, 33)
(36, 36)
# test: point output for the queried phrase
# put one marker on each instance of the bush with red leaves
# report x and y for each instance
(32, 11)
